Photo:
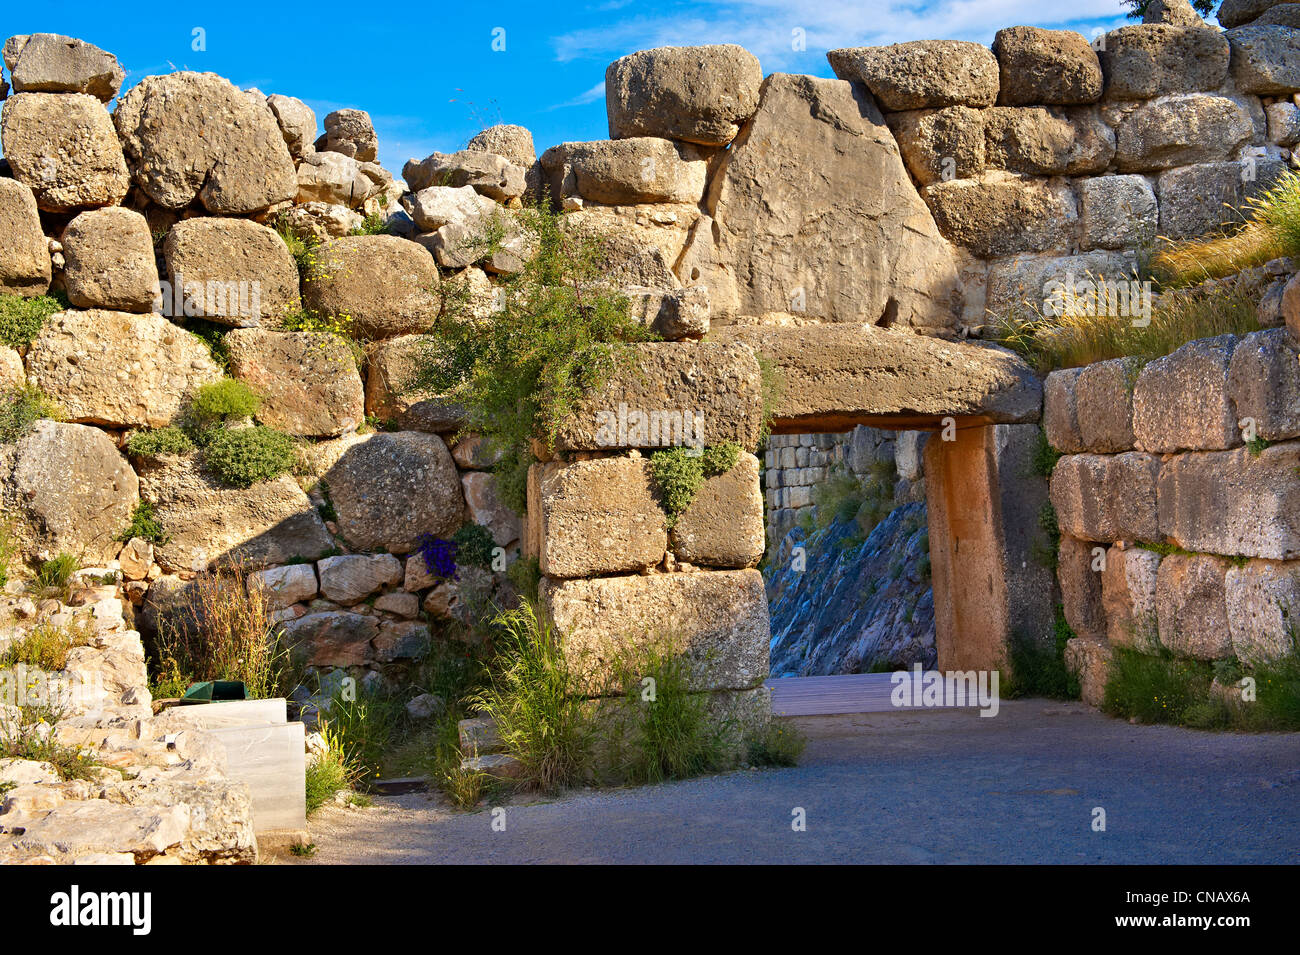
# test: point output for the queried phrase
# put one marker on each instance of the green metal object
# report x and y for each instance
(210, 691)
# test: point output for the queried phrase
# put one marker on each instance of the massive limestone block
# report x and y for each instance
(1045, 67)
(1128, 593)
(846, 372)
(1234, 502)
(297, 123)
(1116, 212)
(390, 392)
(24, 253)
(1181, 401)
(209, 523)
(698, 94)
(940, 144)
(1283, 14)
(1079, 576)
(1101, 497)
(599, 517)
(232, 271)
(1061, 410)
(391, 488)
(334, 179)
(51, 63)
(1179, 13)
(922, 74)
(626, 171)
(1001, 214)
(1265, 59)
(717, 620)
(1264, 384)
(1026, 286)
(437, 206)
(1262, 598)
(813, 213)
(334, 638)
(63, 146)
(109, 261)
(723, 526)
(515, 143)
(387, 285)
(1235, 13)
(1143, 61)
(1104, 399)
(672, 393)
(351, 578)
(118, 369)
(1201, 199)
(492, 176)
(1191, 611)
(308, 382)
(284, 586)
(71, 488)
(639, 245)
(1048, 142)
(1180, 130)
(194, 136)
(350, 132)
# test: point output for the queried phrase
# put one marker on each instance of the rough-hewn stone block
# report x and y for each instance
(1128, 595)
(1190, 608)
(1264, 384)
(1106, 497)
(1181, 401)
(1104, 396)
(1081, 595)
(1061, 410)
(1263, 599)
(723, 526)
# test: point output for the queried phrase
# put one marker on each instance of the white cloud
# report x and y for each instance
(582, 99)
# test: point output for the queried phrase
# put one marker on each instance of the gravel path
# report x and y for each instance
(932, 786)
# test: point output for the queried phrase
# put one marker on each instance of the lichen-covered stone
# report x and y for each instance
(1182, 401)
(1045, 67)
(24, 254)
(109, 261)
(232, 271)
(1190, 606)
(62, 145)
(308, 382)
(922, 74)
(1106, 497)
(387, 285)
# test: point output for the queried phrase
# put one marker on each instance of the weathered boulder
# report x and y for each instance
(1191, 611)
(626, 171)
(1233, 502)
(272, 522)
(391, 488)
(1128, 593)
(813, 213)
(718, 621)
(387, 285)
(194, 136)
(1044, 141)
(391, 395)
(109, 261)
(1265, 59)
(284, 586)
(636, 252)
(853, 371)
(118, 369)
(308, 382)
(1234, 13)
(672, 314)
(63, 146)
(1026, 286)
(51, 63)
(1283, 121)
(1178, 13)
(598, 517)
(1180, 130)
(485, 507)
(350, 132)
(1200, 199)
(232, 271)
(12, 371)
(1104, 399)
(1101, 497)
(1001, 214)
(1181, 401)
(1264, 384)
(940, 144)
(723, 525)
(436, 206)
(1261, 597)
(490, 175)
(1143, 61)
(402, 640)
(24, 253)
(1283, 14)
(351, 578)
(1089, 662)
(671, 393)
(321, 221)
(1116, 212)
(333, 178)
(1061, 410)
(1045, 67)
(334, 638)
(72, 489)
(697, 94)
(922, 74)
(297, 123)
(515, 143)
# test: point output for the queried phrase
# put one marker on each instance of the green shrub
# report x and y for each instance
(55, 575)
(779, 743)
(155, 442)
(1038, 667)
(21, 318)
(845, 497)
(374, 224)
(1043, 461)
(474, 546)
(243, 457)
(1157, 688)
(223, 400)
(8, 548)
(365, 728)
(46, 646)
(22, 407)
(328, 773)
(26, 736)
(144, 524)
(525, 573)
(679, 472)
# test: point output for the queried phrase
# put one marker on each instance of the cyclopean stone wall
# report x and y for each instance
(1176, 530)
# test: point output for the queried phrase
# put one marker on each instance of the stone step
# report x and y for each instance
(494, 764)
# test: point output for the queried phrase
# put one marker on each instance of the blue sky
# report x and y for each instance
(430, 78)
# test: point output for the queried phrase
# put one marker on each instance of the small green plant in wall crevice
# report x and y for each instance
(678, 473)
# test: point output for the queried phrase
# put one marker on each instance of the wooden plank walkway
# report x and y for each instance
(825, 695)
